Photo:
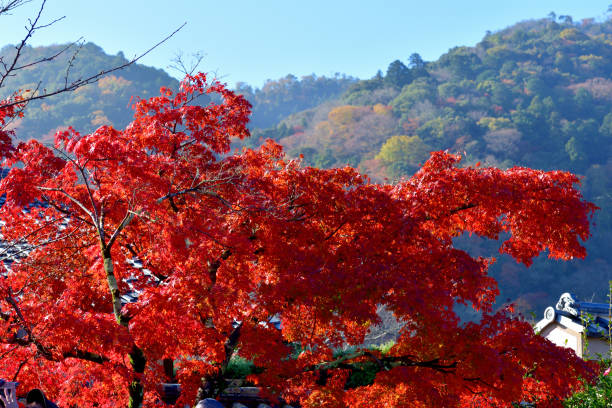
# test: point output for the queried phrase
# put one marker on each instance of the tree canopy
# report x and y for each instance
(229, 240)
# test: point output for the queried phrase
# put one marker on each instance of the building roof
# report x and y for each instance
(590, 318)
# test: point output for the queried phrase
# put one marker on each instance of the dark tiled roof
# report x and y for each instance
(593, 317)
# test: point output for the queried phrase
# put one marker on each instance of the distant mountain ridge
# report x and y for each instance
(105, 102)
(108, 101)
(280, 98)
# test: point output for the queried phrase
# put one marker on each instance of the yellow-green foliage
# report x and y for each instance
(404, 149)
(345, 115)
(572, 34)
(381, 109)
(495, 123)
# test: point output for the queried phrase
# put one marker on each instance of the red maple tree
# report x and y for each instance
(228, 240)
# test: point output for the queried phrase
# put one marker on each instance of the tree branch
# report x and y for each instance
(10, 68)
(215, 265)
(11, 5)
(74, 200)
(86, 355)
(75, 84)
(129, 216)
(454, 211)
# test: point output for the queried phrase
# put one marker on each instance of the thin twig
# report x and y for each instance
(80, 82)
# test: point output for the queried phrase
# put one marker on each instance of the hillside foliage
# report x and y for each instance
(106, 102)
(280, 98)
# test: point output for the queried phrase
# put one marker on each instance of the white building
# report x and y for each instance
(582, 326)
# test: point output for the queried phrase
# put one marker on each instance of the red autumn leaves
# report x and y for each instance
(228, 240)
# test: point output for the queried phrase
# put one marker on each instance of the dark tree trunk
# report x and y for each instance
(138, 363)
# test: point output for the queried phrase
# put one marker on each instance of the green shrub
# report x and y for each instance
(598, 395)
(239, 367)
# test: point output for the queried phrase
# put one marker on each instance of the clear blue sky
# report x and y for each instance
(255, 40)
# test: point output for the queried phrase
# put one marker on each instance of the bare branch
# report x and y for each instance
(79, 82)
(7, 7)
(48, 58)
(74, 200)
(331, 234)
(30, 29)
(129, 216)
(21, 365)
(179, 64)
(90, 195)
(70, 63)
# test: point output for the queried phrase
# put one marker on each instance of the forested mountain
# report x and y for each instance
(537, 94)
(278, 99)
(108, 101)
(534, 94)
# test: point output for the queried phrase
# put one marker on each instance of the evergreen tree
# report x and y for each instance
(398, 75)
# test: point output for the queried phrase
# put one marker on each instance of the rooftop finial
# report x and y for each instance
(568, 303)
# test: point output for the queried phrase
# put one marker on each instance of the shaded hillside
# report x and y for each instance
(108, 101)
(105, 102)
(537, 94)
(280, 98)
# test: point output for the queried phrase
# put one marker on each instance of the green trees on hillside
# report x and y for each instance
(279, 99)
(398, 75)
(403, 154)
